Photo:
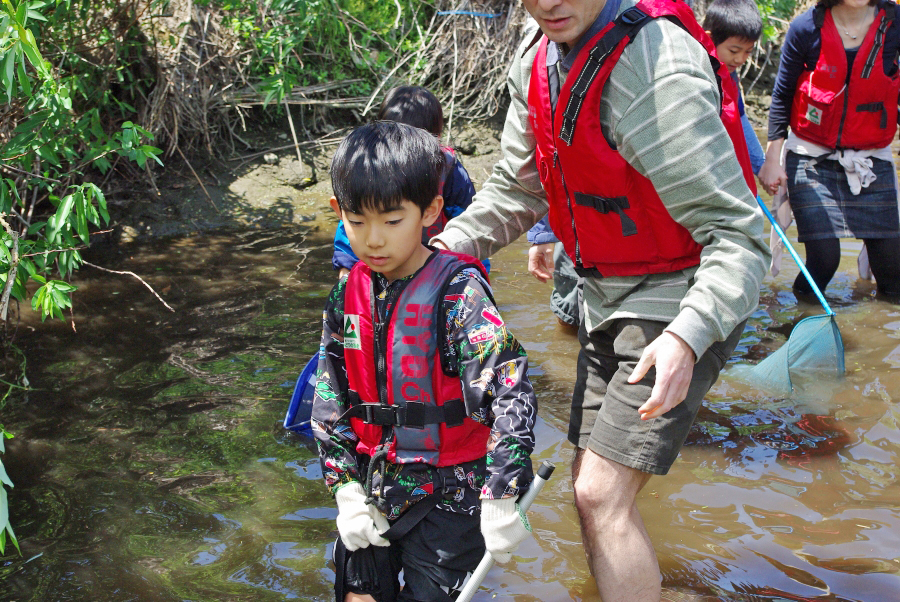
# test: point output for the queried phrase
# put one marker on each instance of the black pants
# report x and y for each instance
(824, 255)
(435, 556)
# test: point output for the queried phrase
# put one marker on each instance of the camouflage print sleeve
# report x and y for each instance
(335, 439)
(492, 366)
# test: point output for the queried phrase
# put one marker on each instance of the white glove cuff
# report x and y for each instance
(351, 493)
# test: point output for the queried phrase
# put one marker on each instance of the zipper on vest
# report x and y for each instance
(387, 432)
(840, 134)
(379, 363)
(562, 178)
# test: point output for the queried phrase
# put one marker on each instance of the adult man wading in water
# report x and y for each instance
(647, 194)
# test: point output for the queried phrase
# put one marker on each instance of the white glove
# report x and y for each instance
(359, 523)
(503, 526)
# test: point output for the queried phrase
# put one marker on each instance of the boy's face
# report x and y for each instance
(390, 242)
(734, 52)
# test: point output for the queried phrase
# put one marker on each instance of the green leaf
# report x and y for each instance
(21, 13)
(24, 80)
(4, 523)
(46, 153)
(61, 216)
(9, 66)
(31, 51)
(82, 207)
(4, 478)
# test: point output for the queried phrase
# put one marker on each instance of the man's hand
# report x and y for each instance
(540, 261)
(439, 245)
(674, 361)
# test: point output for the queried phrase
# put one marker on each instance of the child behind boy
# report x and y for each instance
(735, 27)
(418, 107)
(423, 412)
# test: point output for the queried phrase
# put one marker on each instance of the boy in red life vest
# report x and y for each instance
(423, 412)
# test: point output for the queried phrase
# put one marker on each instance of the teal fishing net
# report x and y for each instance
(814, 351)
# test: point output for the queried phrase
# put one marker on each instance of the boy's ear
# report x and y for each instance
(432, 211)
(335, 206)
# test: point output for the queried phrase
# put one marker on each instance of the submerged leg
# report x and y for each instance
(618, 548)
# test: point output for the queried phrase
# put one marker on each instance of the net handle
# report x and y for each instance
(487, 561)
(796, 257)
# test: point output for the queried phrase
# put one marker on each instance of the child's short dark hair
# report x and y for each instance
(415, 106)
(732, 18)
(381, 164)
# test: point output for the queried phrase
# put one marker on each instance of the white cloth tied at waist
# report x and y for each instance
(857, 166)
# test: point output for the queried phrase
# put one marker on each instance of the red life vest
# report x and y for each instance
(608, 216)
(861, 114)
(419, 398)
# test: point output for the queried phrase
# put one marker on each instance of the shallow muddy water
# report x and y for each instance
(150, 462)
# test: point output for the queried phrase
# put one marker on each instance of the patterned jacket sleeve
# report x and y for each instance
(493, 369)
(335, 439)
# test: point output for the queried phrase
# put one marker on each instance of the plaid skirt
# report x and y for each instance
(824, 207)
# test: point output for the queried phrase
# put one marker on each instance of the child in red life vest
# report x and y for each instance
(423, 412)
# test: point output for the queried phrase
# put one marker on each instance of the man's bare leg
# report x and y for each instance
(619, 551)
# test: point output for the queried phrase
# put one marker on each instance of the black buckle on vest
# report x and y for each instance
(380, 415)
(632, 15)
(415, 414)
(606, 205)
(454, 412)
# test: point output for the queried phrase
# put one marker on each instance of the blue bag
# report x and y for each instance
(299, 411)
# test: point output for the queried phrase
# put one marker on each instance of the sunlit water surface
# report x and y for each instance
(150, 462)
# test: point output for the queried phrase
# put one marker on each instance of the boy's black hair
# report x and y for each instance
(732, 18)
(415, 106)
(381, 164)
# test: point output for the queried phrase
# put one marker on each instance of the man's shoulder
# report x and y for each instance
(662, 48)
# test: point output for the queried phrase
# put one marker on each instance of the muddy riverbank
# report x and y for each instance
(264, 185)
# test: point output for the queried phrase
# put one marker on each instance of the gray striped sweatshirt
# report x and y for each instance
(660, 110)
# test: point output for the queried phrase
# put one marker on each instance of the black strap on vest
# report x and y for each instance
(412, 516)
(414, 414)
(607, 204)
(875, 107)
(626, 25)
(889, 12)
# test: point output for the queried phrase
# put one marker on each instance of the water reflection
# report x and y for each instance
(151, 464)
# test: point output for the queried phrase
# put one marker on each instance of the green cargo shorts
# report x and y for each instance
(605, 416)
